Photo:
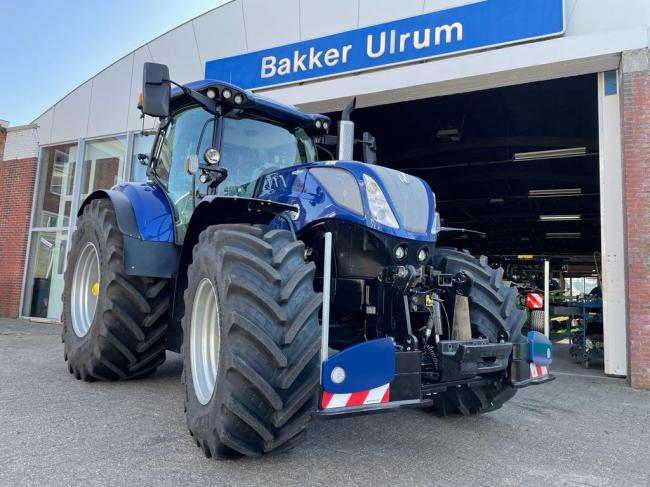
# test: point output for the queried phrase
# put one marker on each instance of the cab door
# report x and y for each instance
(183, 137)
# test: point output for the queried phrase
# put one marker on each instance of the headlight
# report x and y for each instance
(342, 187)
(400, 252)
(436, 224)
(379, 209)
(423, 255)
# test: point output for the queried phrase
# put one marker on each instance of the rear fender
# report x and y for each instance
(145, 220)
(215, 210)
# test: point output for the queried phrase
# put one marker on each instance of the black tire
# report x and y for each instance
(268, 367)
(127, 337)
(537, 320)
(493, 313)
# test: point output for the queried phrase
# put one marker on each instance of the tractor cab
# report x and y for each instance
(217, 140)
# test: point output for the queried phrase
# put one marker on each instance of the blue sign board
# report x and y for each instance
(480, 25)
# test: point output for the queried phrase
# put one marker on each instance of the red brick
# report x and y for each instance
(636, 147)
(17, 180)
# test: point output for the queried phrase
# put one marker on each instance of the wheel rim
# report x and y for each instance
(85, 289)
(204, 341)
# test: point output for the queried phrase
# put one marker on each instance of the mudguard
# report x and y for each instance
(146, 221)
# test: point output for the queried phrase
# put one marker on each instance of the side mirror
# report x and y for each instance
(156, 90)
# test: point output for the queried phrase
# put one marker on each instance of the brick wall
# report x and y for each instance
(636, 140)
(17, 177)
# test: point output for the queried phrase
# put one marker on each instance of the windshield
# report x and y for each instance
(252, 148)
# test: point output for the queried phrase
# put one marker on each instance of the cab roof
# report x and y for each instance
(256, 104)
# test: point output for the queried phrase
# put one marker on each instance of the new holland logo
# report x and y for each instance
(404, 178)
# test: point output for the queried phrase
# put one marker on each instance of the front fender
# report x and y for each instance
(146, 222)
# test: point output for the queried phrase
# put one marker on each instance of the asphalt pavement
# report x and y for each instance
(581, 429)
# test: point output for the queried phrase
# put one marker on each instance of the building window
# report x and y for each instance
(103, 165)
(44, 285)
(55, 189)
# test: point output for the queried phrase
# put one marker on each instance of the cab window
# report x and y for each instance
(253, 147)
(181, 140)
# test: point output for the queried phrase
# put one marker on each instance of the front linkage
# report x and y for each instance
(422, 360)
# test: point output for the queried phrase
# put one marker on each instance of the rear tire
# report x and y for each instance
(260, 387)
(125, 333)
(493, 315)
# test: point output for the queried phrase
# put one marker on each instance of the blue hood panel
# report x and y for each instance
(296, 186)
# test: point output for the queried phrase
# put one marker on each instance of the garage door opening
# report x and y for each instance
(520, 164)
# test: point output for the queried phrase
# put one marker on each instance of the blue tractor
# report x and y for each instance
(293, 287)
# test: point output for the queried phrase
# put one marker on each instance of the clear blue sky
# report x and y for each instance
(49, 47)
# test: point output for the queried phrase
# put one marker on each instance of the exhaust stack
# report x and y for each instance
(346, 133)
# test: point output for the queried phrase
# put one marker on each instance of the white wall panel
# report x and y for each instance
(270, 24)
(612, 230)
(586, 16)
(177, 49)
(318, 18)
(71, 115)
(221, 33)
(44, 123)
(140, 56)
(435, 5)
(378, 11)
(110, 97)
(22, 143)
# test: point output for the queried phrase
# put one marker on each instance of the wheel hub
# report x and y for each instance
(85, 290)
(205, 341)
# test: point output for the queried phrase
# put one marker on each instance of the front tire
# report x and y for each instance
(251, 341)
(493, 315)
(114, 325)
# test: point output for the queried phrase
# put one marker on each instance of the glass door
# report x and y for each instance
(102, 168)
(44, 283)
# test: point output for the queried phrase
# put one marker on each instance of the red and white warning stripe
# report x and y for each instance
(535, 300)
(537, 371)
(377, 395)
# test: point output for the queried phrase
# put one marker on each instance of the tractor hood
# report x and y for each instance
(380, 198)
